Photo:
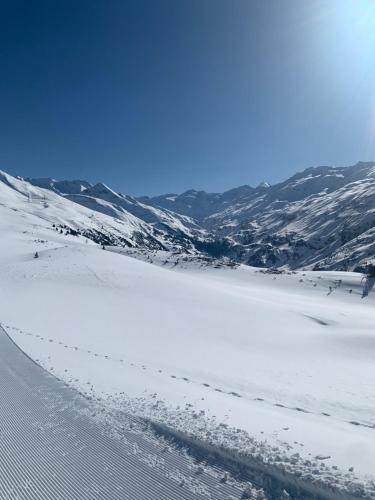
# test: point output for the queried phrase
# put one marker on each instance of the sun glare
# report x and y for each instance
(358, 17)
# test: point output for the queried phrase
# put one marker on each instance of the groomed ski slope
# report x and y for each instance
(286, 360)
(52, 449)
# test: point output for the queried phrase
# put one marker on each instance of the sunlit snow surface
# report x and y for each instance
(54, 446)
(288, 360)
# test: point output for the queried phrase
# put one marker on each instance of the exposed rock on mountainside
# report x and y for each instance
(98, 220)
(321, 218)
(173, 229)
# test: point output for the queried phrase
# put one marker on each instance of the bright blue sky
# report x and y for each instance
(154, 96)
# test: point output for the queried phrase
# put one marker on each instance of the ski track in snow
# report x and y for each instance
(51, 449)
(182, 379)
(264, 366)
(57, 444)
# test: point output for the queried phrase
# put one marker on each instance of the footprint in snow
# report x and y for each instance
(235, 394)
(319, 321)
(301, 409)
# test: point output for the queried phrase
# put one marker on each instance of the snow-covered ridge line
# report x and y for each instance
(312, 219)
(101, 198)
(276, 355)
(321, 218)
(94, 218)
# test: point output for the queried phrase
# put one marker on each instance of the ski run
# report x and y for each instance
(265, 381)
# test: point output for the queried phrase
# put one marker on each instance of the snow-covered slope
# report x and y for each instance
(199, 204)
(180, 229)
(276, 367)
(321, 217)
(64, 187)
(99, 221)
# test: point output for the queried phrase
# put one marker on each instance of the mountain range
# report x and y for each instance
(321, 218)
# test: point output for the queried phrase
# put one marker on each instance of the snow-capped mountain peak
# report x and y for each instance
(64, 187)
(322, 217)
(264, 184)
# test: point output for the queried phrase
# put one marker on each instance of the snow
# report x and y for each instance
(54, 447)
(286, 358)
(160, 223)
(322, 209)
(305, 221)
(95, 217)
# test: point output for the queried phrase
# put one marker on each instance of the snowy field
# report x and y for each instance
(51, 447)
(276, 366)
